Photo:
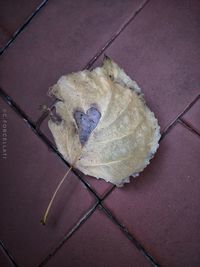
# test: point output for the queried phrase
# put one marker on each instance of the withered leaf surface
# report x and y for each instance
(106, 131)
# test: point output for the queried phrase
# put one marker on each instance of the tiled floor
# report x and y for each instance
(161, 206)
(193, 115)
(13, 15)
(30, 175)
(154, 220)
(61, 38)
(101, 242)
(4, 260)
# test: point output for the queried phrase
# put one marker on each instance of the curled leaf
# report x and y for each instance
(105, 120)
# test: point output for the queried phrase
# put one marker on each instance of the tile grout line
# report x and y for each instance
(115, 221)
(116, 34)
(19, 30)
(107, 193)
(189, 127)
(126, 232)
(8, 254)
(186, 109)
(167, 130)
(69, 234)
(99, 53)
(43, 137)
(31, 124)
(109, 214)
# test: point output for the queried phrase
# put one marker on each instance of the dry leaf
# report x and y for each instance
(106, 130)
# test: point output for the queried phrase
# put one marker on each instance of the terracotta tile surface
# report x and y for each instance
(3, 38)
(161, 206)
(193, 116)
(98, 243)
(13, 15)
(61, 38)
(4, 260)
(160, 50)
(157, 44)
(30, 174)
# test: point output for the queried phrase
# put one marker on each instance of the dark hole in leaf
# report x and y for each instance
(86, 122)
(55, 117)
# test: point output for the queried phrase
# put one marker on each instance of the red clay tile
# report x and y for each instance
(98, 243)
(160, 50)
(13, 15)
(193, 116)
(3, 38)
(61, 38)
(30, 174)
(161, 206)
(4, 260)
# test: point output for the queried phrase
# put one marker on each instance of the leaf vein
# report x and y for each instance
(109, 162)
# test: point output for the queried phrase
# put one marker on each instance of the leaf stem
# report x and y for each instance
(44, 218)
